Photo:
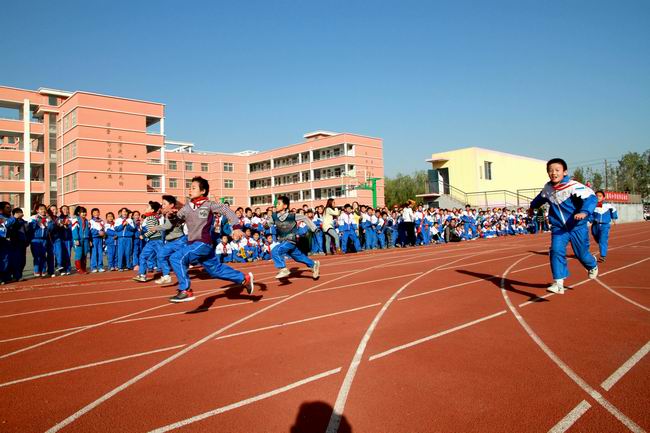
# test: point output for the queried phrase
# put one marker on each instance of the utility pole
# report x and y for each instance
(605, 175)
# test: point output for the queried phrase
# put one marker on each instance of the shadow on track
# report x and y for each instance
(233, 292)
(313, 416)
(509, 283)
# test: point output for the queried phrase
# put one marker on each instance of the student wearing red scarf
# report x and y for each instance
(604, 215)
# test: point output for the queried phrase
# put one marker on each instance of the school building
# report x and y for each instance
(83, 148)
(482, 177)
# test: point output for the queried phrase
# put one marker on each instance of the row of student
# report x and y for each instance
(132, 242)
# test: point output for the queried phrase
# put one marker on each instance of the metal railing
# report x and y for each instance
(495, 198)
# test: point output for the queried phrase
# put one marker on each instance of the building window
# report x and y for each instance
(171, 165)
(74, 181)
(173, 183)
(188, 166)
(155, 182)
(228, 183)
(73, 149)
(229, 199)
(227, 166)
(188, 183)
(73, 118)
(51, 100)
(204, 167)
(488, 170)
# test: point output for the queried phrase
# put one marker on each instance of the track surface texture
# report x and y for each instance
(446, 338)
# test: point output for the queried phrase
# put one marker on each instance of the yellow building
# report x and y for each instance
(483, 177)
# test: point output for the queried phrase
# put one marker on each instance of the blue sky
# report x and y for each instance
(540, 78)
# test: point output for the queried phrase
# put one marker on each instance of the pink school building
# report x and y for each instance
(81, 148)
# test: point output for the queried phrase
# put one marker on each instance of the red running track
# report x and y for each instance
(455, 338)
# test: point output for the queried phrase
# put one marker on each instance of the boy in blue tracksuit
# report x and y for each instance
(138, 239)
(571, 203)
(97, 233)
(125, 231)
(6, 221)
(40, 228)
(18, 242)
(62, 240)
(348, 229)
(81, 238)
(111, 242)
(154, 239)
(604, 215)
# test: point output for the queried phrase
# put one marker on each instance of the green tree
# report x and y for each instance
(634, 173)
(579, 175)
(597, 181)
(399, 189)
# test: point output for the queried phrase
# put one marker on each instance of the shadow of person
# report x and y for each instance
(232, 292)
(509, 284)
(314, 416)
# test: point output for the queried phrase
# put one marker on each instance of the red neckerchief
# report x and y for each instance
(83, 223)
(600, 204)
(199, 201)
(148, 214)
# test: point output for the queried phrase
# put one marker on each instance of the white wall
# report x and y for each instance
(629, 212)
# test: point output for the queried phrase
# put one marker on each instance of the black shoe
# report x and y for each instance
(183, 296)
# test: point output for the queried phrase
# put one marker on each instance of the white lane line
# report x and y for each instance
(295, 322)
(364, 283)
(93, 364)
(69, 307)
(436, 335)
(428, 292)
(94, 325)
(344, 391)
(571, 418)
(62, 295)
(236, 304)
(245, 402)
(627, 366)
(561, 364)
(484, 261)
(625, 298)
(57, 331)
(630, 287)
(187, 349)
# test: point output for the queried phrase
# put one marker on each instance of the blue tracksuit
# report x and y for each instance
(111, 246)
(40, 229)
(567, 199)
(600, 224)
(97, 234)
(203, 253)
(137, 243)
(317, 238)
(370, 234)
(6, 222)
(62, 240)
(348, 231)
(125, 231)
(18, 240)
(81, 239)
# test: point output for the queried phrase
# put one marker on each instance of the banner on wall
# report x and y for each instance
(616, 196)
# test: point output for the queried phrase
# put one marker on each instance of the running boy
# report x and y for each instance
(286, 224)
(198, 214)
(571, 204)
(604, 214)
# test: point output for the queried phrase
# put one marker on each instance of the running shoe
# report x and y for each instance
(140, 278)
(593, 273)
(248, 283)
(284, 272)
(556, 288)
(183, 296)
(165, 279)
(315, 270)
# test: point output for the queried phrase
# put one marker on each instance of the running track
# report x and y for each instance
(456, 338)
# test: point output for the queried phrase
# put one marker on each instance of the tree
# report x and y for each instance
(579, 175)
(399, 189)
(633, 173)
(597, 181)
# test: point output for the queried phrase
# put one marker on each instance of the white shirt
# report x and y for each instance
(407, 215)
(224, 249)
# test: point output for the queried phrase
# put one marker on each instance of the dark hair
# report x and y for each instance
(169, 199)
(284, 199)
(601, 191)
(93, 210)
(248, 209)
(16, 210)
(155, 206)
(556, 161)
(63, 206)
(79, 209)
(203, 185)
(329, 203)
(347, 205)
(3, 204)
(111, 214)
(39, 205)
(124, 208)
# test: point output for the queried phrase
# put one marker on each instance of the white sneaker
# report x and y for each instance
(165, 279)
(556, 288)
(94, 271)
(593, 273)
(315, 270)
(140, 278)
(284, 272)
(102, 270)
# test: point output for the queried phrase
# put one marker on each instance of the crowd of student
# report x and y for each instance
(61, 242)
